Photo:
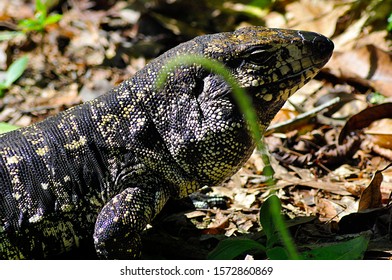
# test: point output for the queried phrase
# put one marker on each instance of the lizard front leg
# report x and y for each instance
(123, 218)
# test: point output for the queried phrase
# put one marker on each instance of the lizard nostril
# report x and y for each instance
(324, 45)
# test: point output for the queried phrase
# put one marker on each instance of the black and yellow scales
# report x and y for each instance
(101, 171)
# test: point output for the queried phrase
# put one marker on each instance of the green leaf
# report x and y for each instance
(267, 220)
(275, 227)
(8, 35)
(263, 4)
(278, 253)
(40, 8)
(40, 19)
(6, 127)
(389, 27)
(376, 98)
(52, 19)
(231, 248)
(2, 89)
(30, 25)
(353, 249)
(15, 70)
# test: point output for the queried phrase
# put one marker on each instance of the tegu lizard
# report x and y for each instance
(101, 171)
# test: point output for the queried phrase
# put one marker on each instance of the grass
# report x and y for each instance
(14, 71)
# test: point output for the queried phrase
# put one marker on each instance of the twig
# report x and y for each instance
(300, 119)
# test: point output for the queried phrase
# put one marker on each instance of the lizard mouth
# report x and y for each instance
(287, 84)
(291, 82)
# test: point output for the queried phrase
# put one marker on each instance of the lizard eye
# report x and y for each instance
(259, 57)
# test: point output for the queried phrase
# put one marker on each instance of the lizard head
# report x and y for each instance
(195, 114)
(271, 64)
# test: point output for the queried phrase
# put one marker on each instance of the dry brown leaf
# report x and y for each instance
(372, 197)
(386, 153)
(284, 115)
(243, 200)
(380, 133)
(368, 65)
(326, 209)
(318, 16)
(386, 186)
(220, 222)
(348, 39)
(195, 214)
(365, 118)
(332, 187)
(68, 97)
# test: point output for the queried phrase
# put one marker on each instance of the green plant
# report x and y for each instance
(6, 127)
(232, 248)
(8, 35)
(40, 20)
(389, 26)
(38, 23)
(14, 71)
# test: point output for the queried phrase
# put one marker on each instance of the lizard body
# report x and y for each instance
(102, 170)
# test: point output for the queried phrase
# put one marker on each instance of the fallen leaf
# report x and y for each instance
(371, 196)
(319, 16)
(327, 209)
(368, 66)
(365, 118)
(380, 133)
(195, 214)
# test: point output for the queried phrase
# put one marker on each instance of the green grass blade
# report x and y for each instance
(8, 35)
(6, 127)
(278, 253)
(267, 220)
(231, 248)
(15, 70)
(353, 249)
(52, 19)
(40, 8)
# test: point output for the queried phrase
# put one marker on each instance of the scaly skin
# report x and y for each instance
(102, 170)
